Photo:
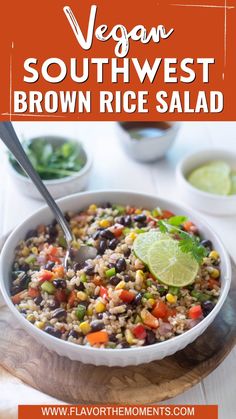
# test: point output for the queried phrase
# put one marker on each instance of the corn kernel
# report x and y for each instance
(100, 307)
(104, 223)
(151, 301)
(39, 325)
(30, 318)
(214, 273)
(34, 250)
(138, 211)
(133, 235)
(120, 286)
(92, 209)
(171, 298)
(82, 296)
(25, 251)
(90, 310)
(139, 278)
(214, 255)
(85, 327)
(130, 337)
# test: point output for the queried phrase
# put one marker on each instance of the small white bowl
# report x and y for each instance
(200, 200)
(111, 357)
(57, 187)
(151, 148)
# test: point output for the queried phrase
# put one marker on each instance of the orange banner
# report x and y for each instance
(117, 411)
(129, 60)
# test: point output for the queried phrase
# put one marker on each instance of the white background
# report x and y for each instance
(113, 169)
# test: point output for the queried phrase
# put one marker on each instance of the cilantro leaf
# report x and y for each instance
(177, 220)
(191, 244)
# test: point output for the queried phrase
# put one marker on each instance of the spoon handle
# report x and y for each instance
(10, 139)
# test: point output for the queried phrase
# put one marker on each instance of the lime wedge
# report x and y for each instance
(221, 166)
(213, 178)
(144, 241)
(233, 183)
(170, 265)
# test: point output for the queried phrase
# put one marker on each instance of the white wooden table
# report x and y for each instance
(114, 170)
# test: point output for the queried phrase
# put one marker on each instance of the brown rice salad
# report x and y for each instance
(112, 301)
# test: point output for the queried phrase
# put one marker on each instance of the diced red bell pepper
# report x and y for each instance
(53, 251)
(46, 276)
(160, 310)
(127, 296)
(149, 319)
(117, 229)
(72, 298)
(60, 296)
(54, 259)
(59, 271)
(103, 292)
(195, 312)
(130, 210)
(16, 299)
(139, 331)
(167, 214)
(190, 227)
(97, 337)
(33, 292)
(170, 313)
(212, 283)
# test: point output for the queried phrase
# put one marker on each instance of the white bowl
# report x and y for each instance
(59, 187)
(148, 149)
(200, 200)
(111, 357)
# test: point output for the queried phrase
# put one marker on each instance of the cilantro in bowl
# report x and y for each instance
(53, 157)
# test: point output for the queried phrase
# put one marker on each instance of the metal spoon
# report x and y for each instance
(11, 140)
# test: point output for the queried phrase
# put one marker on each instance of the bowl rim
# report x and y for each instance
(134, 350)
(182, 176)
(174, 127)
(67, 179)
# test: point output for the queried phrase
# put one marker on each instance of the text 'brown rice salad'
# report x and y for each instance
(134, 293)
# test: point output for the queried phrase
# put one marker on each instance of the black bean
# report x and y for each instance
(150, 338)
(23, 311)
(111, 265)
(137, 299)
(20, 284)
(127, 253)
(125, 345)
(59, 283)
(96, 235)
(53, 332)
(113, 243)
(121, 220)
(207, 307)
(114, 280)
(84, 303)
(97, 325)
(54, 222)
(74, 334)
(59, 313)
(89, 270)
(54, 304)
(127, 278)
(100, 316)
(79, 265)
(161, 289)
(207, 243)
(128, 221)
(15, 288)
(80, 287)
(107, 234)
(140, 218)
(49, 266)
(24, 267)
(38, 300)
(102, 247)
(113, 338)
(31, 233)
(120, 265)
